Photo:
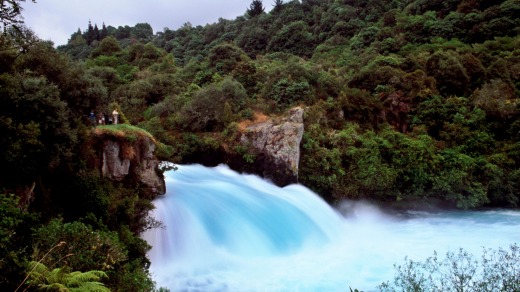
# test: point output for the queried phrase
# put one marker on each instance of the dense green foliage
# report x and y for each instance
(407, 101)
(63, 213)
(15, 238)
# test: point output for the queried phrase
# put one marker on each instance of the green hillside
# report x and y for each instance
(405, 99)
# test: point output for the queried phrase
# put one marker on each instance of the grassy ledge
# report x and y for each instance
(123, 131)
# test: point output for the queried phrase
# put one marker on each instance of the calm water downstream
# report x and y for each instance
(231, 232)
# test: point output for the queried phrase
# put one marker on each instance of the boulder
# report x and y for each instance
(277, 146)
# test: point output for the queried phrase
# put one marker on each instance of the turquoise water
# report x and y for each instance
(231, 232)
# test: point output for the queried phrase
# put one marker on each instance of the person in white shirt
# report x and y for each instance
(115, 114)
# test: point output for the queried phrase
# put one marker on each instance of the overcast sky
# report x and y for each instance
(56, 20)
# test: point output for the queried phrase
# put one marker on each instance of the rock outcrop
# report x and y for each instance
(113, 165)
(124, 159)
(277, 146)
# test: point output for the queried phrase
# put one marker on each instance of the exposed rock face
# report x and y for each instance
(114, 167)
(278, 146)
(123, 160)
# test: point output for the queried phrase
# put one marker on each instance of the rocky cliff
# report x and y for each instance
(277, 146)
(127, 155)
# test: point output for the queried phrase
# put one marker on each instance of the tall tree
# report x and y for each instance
(104, 32)
(90, 35)
(255, 8)
(96, 33)
(142, 31)
(277, 5)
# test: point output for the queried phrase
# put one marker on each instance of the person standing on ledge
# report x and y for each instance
(115, 114)
(92, 118)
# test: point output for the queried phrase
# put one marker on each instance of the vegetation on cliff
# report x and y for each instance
(122, 131)
(406, 100)
(63, 214)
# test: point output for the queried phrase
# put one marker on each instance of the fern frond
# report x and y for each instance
(91, 287)
(57, 275)
(54, 287)
(76, 279)
(38, 273)
(38, 267)
(37, 278)
(59, 280)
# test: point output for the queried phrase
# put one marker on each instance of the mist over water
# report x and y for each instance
(231, 232)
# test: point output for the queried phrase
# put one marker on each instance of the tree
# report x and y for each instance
(142, 31)
(255, 8)
(294, 38)
(108, 47)
(225, 57)
(10, 13)
(123, 32)
(104, 32)
(450, 74)
(35, 129)
(80, 91)
(253, 40)
(96, 33)
(205, 112)
(277, 6)
(14, 36)
(18, 39)
(90, 34)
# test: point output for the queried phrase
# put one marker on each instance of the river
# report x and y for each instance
(230, 232)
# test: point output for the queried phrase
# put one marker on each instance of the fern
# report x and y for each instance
(91, 286)
(59, 280)
(78, 279)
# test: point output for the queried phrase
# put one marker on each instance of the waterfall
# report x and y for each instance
(230, 232)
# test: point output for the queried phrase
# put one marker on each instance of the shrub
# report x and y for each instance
(84, 249)
(207, 109)
(497, 270)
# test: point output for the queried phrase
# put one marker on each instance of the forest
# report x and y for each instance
(407, 102)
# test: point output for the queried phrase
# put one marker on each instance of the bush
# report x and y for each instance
(286, 92)
(207, 109)
(293, 38)
(497, 270)
(225, 57)
(451, 76)
(15, 230)
(84, 249)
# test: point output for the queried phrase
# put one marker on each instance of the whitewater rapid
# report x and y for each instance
(230, 232)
